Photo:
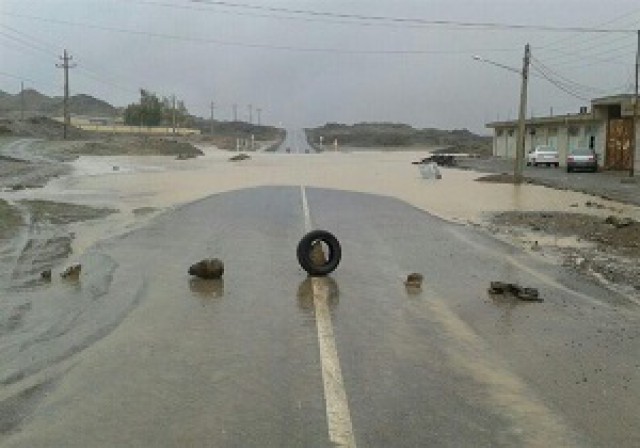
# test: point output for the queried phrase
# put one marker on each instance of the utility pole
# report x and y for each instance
(250, 107)
(259, 112)
(173, 118)
(235, 112)
(212, 108)
(66, 66)
(517, 170)
(635, 113)
(22, 100)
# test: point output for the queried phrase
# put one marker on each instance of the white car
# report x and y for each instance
(543, 155)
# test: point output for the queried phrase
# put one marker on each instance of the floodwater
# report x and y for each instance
(152, 183)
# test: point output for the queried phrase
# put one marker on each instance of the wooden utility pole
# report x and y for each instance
(212, 108)
(173, 118)
(22, 100)
(635, 113)
(517, 171)
(259, 112)
(235, 112)
(250, 107)
(66, 66)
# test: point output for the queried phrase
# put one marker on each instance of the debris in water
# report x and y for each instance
(72, 272)
(430, 171)
(209, 268)
(528, 294)
(239, 157)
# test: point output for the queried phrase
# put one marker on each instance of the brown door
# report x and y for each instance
(619, 134)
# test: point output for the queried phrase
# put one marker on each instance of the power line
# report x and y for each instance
(559, 84)
(247, 44)
(565, 80)
(577, 35)
(409, 20)
(579, 50)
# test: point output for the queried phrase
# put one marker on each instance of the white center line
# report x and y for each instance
(305, 209)
(336, 403)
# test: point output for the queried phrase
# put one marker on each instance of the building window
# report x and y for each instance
(499, 132)
(510, 132)
(574, 131)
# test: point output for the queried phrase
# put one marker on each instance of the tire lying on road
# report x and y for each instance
(304, 252)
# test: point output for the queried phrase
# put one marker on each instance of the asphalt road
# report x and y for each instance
(155, 358)
(295, 142)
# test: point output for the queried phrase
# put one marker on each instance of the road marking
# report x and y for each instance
(305, 209)
(335, 396)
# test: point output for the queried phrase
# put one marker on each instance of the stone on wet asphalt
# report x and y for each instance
(209, 268)
(72, 272)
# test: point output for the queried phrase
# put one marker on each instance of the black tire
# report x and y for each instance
(304, 252)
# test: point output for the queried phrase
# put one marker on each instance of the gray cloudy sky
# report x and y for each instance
(304, 69)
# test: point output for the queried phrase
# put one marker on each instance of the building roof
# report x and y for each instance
(545, 121)
(613, 99)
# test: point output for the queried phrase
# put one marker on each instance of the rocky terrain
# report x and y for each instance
(607, 248)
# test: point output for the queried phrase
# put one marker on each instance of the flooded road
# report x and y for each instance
(137, 353)
(150, 357)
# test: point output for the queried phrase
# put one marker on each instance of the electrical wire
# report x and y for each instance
(562, 86)
(565, 80)
(407, 20)
(245, 44)
(553, 44)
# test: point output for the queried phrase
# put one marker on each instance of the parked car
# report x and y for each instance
(582, 158)
(544, 155)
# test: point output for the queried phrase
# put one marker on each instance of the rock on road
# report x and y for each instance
(236, 362)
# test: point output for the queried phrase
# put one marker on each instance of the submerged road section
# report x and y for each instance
(269, 357)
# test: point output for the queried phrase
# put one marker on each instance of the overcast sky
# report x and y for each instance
(306, 69)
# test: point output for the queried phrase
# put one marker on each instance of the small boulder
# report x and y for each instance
(414, 280)
(209, 268)
(317, 255)
(72, 272)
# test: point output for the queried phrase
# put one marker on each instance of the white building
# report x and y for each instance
(607, 129)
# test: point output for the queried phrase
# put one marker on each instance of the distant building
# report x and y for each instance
(607, 129)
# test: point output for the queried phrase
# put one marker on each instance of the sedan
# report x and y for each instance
(582, 158)
(544, 155)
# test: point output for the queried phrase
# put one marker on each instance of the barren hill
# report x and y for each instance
(38, 104)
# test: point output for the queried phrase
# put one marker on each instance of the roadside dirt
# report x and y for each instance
(47, 237)
(128, 145)
(607, 248)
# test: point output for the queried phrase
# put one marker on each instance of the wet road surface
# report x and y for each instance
(152, 357)
(295, 142)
